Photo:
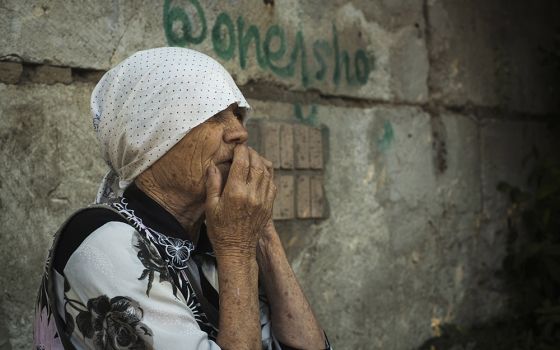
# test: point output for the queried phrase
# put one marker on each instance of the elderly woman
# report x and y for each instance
(180, 251)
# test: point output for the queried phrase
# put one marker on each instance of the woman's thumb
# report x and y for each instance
(213, 184)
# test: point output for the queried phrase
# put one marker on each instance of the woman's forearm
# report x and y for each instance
(234, 218)
(293, 321)
(239, 303)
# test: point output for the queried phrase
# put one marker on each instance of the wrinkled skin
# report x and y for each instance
(208, 152)
(211, 174)
(245, 205)
(184, 167)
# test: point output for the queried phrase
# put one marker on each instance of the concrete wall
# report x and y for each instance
(425, 105)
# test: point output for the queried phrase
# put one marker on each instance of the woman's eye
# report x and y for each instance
(238, 115)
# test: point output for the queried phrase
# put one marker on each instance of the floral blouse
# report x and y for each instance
(123, 279)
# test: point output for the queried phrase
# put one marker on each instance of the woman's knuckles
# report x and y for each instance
(237, 196)
(242, 163)
(258, 169)
(253, 202)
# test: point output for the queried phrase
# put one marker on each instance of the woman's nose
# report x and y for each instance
(236, 134)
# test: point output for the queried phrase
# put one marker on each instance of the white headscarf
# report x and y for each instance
(151, 100)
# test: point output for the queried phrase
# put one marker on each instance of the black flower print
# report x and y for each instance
(113, 323)
(152, 261)
(169, 257)
(176, 251)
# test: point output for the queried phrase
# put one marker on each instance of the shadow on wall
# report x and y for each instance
(531, 270)
(4, 336)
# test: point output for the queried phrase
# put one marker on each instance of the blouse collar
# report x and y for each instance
(152, 213)
(159, 219)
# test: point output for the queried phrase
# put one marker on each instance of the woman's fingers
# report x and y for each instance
(240, 165)
(236, 215)
(269, 167)
(213, 184)
(251, 174)
(270, 194)
(258, 169)
(270, 186)
(267, 163)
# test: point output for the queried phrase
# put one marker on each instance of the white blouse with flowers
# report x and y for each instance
(118, 282)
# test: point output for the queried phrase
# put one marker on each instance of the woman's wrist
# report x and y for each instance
(269, 237)
(232, 250)
(236, 259)
(270, 251)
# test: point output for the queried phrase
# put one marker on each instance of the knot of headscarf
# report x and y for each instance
(142, 107)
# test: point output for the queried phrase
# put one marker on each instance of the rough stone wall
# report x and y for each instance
(425, 105)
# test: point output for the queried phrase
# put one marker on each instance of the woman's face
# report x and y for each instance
(184, 167)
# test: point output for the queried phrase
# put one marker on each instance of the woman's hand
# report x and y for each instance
(236, 216)
(234, 219)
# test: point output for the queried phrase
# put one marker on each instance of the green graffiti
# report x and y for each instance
(289, 69)
(177, 14)
(318, 46)
(361, 63)
(245, 38)
(272, 56)
(272, 53)
(387, 138)
(222, 48)
(274, 31)
(345, 59)
(299, 50)
(310, 119)
(342, 60)
(336, 73)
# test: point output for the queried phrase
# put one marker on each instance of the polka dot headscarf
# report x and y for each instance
(146, 104)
